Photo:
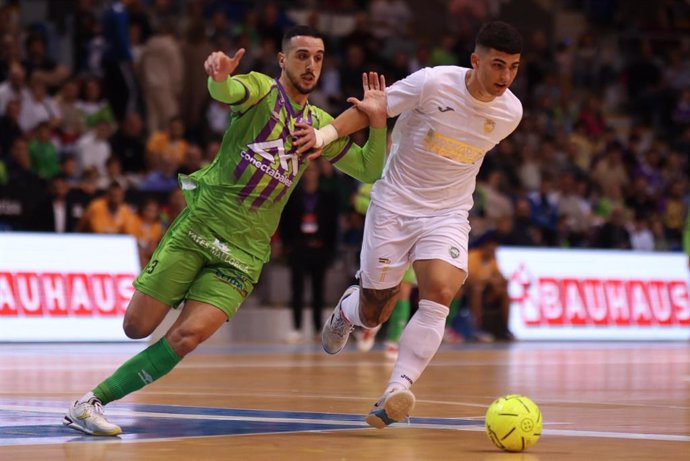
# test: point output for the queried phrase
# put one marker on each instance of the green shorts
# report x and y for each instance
(192, 263)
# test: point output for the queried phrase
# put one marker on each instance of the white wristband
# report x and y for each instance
(324, 136)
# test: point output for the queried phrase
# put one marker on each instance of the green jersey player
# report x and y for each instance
(212, 255)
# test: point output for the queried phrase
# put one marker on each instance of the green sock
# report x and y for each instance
(398, 320)
(142, 369)
(454, 306)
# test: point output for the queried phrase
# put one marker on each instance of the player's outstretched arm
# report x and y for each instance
(371, 110)
(219, 66)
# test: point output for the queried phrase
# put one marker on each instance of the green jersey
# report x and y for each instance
(241, 195)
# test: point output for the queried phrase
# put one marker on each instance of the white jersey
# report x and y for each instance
(439, 142)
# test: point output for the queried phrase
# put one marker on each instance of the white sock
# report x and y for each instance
(350, 307)
(86, 397)
(419, 341)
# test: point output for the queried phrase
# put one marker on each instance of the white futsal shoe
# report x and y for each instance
(393, 407)
(337, 328)
(88, 418)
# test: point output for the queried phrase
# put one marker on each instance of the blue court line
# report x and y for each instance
(27, 422)
(31, 422)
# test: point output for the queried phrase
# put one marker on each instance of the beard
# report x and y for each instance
(296, 83)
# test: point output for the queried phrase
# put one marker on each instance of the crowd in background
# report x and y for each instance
(103, 104)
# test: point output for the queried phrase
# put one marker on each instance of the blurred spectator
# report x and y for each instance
(681, 111)
(43, 154)
(641, 237)
(529, 171)
(308, 230)
(163, 178)
(610, 170)
(38, 64)
(389, 17)
(85, 192)
(161, 76)
(487, 290)
(85, 29)
(118, 73)
(128, 143)
(10, 51)
(648, 167)
(544, 207)
(113, 173)
(613, 233)
(167, 142)
(9, 127)
(574, 208)
(351, 70)
(264, 58)
(69, 168)
(53, 214)
(174, 206)
(72, 122)
(14, 88)
(518, 231)
(148, 229)
(25, 187)
(193, 160)
(139, 17)
(421, 59)
(494, 202)
(643, 75)
(271, 24)
(362, 37)
(92, 104)
(93, 149)
(443, 54)
(592, 117)
(109, 214)
(673, 209)
(195, 48)
(217, 115)
(211, 151)
(640, 200)
(38, 107)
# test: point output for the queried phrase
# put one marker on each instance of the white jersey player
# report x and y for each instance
(449, 117)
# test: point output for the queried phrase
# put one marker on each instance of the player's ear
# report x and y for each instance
(281, 59)
(474, 59)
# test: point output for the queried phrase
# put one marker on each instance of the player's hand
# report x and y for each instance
(304, 137)
(374, 102)
(305, 141)
(219, 65)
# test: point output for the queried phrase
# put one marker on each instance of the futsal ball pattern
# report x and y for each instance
(513, 422)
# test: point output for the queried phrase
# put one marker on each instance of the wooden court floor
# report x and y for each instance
(600, 401)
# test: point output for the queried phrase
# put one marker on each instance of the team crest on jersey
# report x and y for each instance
(489, 125)
(454, 252)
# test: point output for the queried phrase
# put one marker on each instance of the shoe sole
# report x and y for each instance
(71, 424)
(397, 406)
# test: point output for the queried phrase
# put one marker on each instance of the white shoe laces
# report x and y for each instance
(97, 406)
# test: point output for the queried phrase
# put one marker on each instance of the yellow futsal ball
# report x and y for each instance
(513, 422)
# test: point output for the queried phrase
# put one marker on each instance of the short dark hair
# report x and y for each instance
(306, 31)
(500, 36)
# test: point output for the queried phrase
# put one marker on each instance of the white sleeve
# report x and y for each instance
(407, 93)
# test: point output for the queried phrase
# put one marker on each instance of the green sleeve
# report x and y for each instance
(362, 163)
(231, 91)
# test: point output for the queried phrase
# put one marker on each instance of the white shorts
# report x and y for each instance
(392, 242)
